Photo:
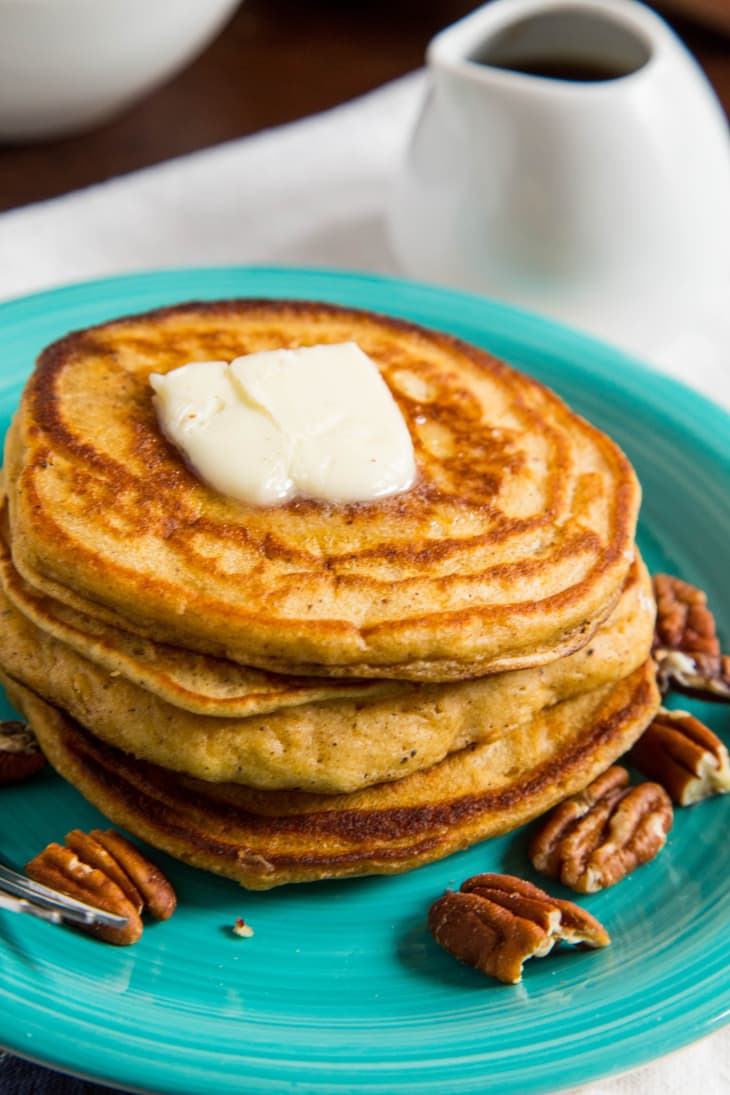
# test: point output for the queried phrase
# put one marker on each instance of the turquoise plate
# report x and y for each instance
(341, 989)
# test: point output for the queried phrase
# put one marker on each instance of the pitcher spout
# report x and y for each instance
(576, 41)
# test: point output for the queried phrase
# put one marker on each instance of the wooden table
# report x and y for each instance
(277, 60)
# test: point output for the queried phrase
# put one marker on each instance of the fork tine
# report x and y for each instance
(20, 905)
(68, 907)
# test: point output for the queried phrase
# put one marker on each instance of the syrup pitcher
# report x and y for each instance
(571, 158)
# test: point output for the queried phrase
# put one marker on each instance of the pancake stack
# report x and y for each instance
(311, 690)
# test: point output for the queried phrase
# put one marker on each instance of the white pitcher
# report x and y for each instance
(572, 158)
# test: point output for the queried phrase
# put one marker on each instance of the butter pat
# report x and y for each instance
(315, 422)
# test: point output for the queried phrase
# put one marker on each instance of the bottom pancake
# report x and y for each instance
(265, 838)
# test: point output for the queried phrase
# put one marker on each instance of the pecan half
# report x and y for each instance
(61, 869)
(699, 675)
(106, 870)
(90, 851)
(595, 838)
(686, 647)
(497, 922)
(684, 755)
(20, 753)
(157, 894)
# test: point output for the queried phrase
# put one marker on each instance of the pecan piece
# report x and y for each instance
(241, 928)
(497, 922)
(699, 675)
(20, 753)
(106, 870)
(91, 851)
(686, 647)
(595, 838)
(683, 621)
(157, 894)
(61, 869)
(684, 755)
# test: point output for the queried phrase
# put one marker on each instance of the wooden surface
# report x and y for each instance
(277, 60)
(714, 13)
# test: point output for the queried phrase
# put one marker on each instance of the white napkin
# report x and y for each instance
(308, 193)
(312, 193)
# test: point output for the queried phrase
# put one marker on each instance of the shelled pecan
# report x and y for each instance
(595, 838)
(158, 895)
(20, 753)
(61, 869)
(686, 645)
(694, 675)
(497, 922)
(107, 871)
(684, 755)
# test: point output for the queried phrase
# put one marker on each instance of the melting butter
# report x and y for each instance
(316, 422)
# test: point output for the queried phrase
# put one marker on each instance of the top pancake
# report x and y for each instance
(508, 551)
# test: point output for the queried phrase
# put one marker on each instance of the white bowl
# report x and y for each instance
(68, 65)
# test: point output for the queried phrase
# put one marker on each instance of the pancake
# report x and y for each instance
(266, 838)
(508, 552)
(184, 678)
(335, 746)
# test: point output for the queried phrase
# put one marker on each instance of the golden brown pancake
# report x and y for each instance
(196, 682)
(335, 746)
(508, 552)
(265, 838)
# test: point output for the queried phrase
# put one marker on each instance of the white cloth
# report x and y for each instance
(308, 193)
(312, 193)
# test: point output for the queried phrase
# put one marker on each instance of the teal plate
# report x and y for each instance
(341, 989)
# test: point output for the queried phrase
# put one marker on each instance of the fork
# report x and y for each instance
(22, 895)
(21, 905)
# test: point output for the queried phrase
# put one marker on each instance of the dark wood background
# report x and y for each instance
(278, 60)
